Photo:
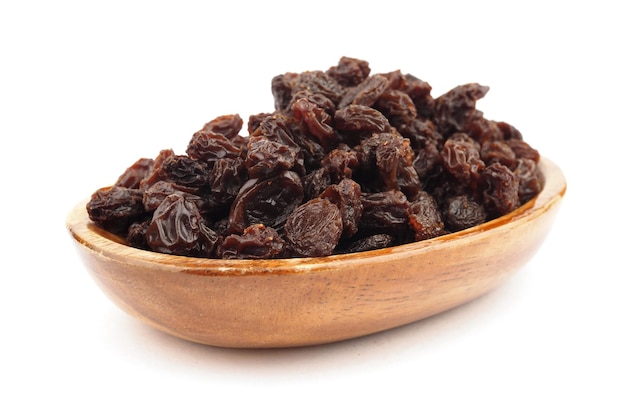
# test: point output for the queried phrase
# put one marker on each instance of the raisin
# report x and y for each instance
(185, 171)
(523, 150)
(225, 179)
(132, 177)
(178, 228)
(455, 109)
(349, 71)
(498, 151)
(314, 228)
(384, 212)
(530, 179)
(462, 212)
(397, 106)
(228, 125)
(347, 197)
(339, 163)
(115, 208)
(209, 146)
(266, 201)
(315, 121)
(282, 86)
(371, 242)
(156, 174)
(156, 193)
(136, 236)
(256, 242)
(499, 188)
(266, 157)
(315, 183)
(360, 119)
(394, 160)
(425, 218)
(461, 158)
(367, 92)
(321, 83)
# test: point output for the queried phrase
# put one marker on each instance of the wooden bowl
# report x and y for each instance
(296, 302)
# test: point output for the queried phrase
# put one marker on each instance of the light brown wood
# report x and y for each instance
(296, 302)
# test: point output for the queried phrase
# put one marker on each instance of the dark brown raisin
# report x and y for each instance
(347, 197)
(178, 228)
(462, 212)
(315, 121)
(314, 228)
(208, 146)
(228, 125)
(256, 242)
(384, 212)
(498, 151)
(530, 179)
(523, 150)
(397, 106)
(185, 171)
(155, 194)
(360, 119)
(339, 163)
(267, 201)
(367, 243)
(365, 93)
(134, 174)
(500, 189)
(350, 71)
(282, 86)
(115, 208)
(461, 158)
(455, 109)
(425, 218)
(136, 236)
(266, 157)
(394, 160)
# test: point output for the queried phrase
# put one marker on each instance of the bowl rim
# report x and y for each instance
(105, 244)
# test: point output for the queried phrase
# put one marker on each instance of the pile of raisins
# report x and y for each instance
(347, 162)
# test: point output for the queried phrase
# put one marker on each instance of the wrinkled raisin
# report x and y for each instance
(178, 228)
(500, 189)
(115, 208)
(314, 228)
(256, 242)
(347, 197)
(266, 201)
(462, 212)
(425, 218)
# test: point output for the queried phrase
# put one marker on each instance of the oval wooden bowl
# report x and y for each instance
(296, 302)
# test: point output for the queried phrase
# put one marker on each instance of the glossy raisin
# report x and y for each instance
(350, 71)
(209, 146)
(461, 158)
(132, 177)
(314, 228)
(178, 228)
(256, 242)
(360, 119)
(500, 189)
(227, 125)
(266, 201)
(455, 110)
(384, 212)
(347, 197)
(425, 218)
(462, 212)
(115, 208)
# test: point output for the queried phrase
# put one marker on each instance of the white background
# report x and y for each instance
(86, 88)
